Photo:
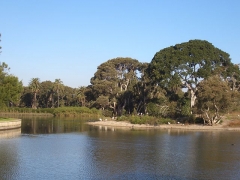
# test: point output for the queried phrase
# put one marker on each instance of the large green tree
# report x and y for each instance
(10, 88)
(116, 79)
(69, 96)
(185, 65)
(46, 95)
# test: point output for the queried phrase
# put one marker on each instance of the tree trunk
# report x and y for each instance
(58, 97)
(209, 118)
(114, 109)
(192, 95)
(34, 106)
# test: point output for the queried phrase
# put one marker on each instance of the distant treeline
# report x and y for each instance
(190, 80)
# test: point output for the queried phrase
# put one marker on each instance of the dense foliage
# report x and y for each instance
(114, 84)
(10, 88)
(187, 80)
(214, 98)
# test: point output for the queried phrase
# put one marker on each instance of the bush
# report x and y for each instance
(137, 120)
(234, 123)
(122, 118)
(107, 113)
(199, 120)
(145, 120)
(75, 111)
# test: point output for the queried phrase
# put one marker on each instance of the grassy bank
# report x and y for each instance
(76, 111)
(232, 119)
(5, 119)
(27, 110)
(229, 120)
(58, 112)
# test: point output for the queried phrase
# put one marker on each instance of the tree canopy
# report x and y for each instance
(185, 65)
(34, 85)
(10, 87)
(116, 79)
(213, 98)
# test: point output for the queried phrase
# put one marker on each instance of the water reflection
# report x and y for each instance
(9, 154)
(70, 149)
(53, 125)
(10, 133)
(174, 154)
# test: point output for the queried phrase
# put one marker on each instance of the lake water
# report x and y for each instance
(68, 149)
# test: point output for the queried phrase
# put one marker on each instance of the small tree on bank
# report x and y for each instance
(214, 97)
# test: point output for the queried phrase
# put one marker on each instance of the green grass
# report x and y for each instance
(5, 119)
(76, 111)
(61, 111)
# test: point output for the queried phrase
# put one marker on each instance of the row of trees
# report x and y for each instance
(191, 78)
(49, 94)
(38, 94)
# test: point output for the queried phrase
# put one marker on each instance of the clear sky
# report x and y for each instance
(69, 39)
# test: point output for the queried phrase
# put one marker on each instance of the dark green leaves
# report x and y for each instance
(10, 87)
(191, 61)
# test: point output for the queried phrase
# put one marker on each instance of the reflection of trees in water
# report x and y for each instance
(218, 147)
(123, 151)
(179, 153)
(8, 159)
(207, 151)
(10, 133)
(52, 125)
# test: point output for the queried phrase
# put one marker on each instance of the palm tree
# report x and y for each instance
(34, 85)
(81, 98)
(58, 87)
(50, 98)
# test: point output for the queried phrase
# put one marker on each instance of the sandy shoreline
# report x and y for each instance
(128, 125)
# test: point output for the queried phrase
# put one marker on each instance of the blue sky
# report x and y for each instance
(68, 40)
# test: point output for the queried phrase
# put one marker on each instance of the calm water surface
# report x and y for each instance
(68, 149)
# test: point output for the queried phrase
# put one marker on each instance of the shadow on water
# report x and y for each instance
(53, 125)
(10, 133)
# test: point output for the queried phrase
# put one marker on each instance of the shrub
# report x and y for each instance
(145, 120)
(137, 120)
(234, 123)
(122, 118)
(199, 120)
(107, 113)
(75, 111)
